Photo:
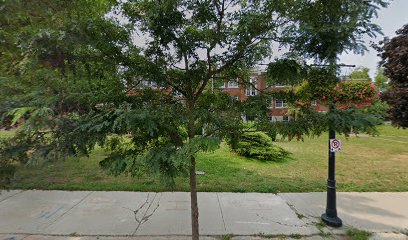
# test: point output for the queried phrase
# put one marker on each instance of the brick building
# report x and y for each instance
(278, 107)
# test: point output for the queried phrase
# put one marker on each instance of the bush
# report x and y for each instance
(379, 109)
(258, 145)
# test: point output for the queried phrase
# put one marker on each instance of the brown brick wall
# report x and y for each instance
(261, 85)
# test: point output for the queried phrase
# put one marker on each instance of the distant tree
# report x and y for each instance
(360, 73)
(381, 81)
(394, 54)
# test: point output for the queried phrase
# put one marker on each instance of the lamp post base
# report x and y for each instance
(332, 221)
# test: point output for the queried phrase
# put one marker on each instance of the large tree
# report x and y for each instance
(394, 54)
(135, 76)
(85, 79)
(58, 59)
(360, 74)
(380, 80)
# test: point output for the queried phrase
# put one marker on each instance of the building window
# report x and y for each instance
(286, 118)
(313, 103)
(280, 85)
(233, 84)
(235, 97)
(148, 84)
(271, 118)
(251, 89)
(276, 85)
(280, 103)
(269, 101)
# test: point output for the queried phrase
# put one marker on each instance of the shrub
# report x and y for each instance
(379, 109)
(258, 145)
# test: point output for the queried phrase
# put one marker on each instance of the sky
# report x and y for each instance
(390, 20)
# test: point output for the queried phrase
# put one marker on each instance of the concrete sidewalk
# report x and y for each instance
(117, 215)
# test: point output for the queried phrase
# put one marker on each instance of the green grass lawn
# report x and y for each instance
(365, 164)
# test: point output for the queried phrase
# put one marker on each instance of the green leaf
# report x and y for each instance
(19, 113)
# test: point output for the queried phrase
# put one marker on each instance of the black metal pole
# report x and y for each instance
(330, 217)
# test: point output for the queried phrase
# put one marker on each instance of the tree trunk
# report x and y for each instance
(193, 184)
(194, 203)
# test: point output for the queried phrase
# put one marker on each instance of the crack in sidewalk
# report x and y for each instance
(11, 195)
(62, 215)
(280, 223)
(222, 214)
(145, 217)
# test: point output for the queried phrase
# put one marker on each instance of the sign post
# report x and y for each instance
(335, 145)
(330, 217)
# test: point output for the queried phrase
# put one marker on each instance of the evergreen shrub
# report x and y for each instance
(260, 146)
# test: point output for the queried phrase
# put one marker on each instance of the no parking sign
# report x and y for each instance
(335, 145)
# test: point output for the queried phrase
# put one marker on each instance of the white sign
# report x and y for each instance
(335, 145)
